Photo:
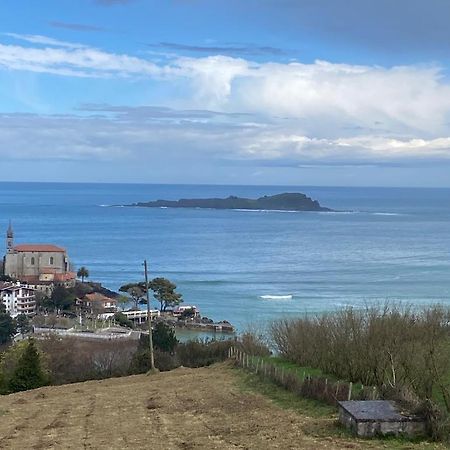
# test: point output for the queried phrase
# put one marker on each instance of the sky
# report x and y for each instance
(283, 92)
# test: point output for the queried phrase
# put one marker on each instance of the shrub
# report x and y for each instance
(200, 353)
(28, 373)
(122, 320)
(374, 346)
(164, 338)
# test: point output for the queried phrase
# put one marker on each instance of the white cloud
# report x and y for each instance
(301, 112)
(44, 40)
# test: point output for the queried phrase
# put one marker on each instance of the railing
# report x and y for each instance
(305, 385)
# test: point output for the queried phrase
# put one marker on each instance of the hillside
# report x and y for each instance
(203, 408)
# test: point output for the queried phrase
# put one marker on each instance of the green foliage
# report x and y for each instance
(83, 273)
(136, 291)
(164, 338)
(202, 353)
(7, 325)
(23, 324)
(164, 293)
(61, 299)
(122, 320)
(28, 373)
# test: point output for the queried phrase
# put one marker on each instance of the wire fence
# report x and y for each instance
(305, 385)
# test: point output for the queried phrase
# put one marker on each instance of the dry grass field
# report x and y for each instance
(207, 408)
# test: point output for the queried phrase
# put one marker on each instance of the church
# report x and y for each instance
(42, 266)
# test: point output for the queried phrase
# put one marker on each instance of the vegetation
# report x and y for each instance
(7, 325)
(23, 324)
(164, 338)
(122, 320)
(28, 372)
(164, 293)
(136, 291)
(62, 299)
(83, 273)
(402, 351)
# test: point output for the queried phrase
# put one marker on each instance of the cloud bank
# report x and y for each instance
(235, 109)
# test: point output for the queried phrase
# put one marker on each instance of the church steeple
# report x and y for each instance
(9, 238)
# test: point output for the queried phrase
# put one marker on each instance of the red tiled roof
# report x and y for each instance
(97, 297)
(38, 248)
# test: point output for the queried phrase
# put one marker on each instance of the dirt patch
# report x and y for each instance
(183, 409)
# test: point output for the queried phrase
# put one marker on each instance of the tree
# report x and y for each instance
(7, 325)
(136, 291)
(164, 292)
(83, 273)
(164, 338)
(28, 373)
(61, 299)
(122, 320)
(23, 324)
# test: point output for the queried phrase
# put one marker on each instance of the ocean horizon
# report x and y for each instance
(248, 267)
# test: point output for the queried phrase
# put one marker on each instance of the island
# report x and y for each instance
(280, 202)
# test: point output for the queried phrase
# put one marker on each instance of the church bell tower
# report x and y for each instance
(9, 239)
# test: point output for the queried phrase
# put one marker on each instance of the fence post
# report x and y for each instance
(374, 393)
(326, 385)
(337, 390)
(350, 387)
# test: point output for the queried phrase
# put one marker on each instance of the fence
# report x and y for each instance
(313, 387)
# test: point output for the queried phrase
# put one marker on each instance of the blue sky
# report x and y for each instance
(301, 92)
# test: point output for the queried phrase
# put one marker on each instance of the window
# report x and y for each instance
(51, 260)
(32, 261)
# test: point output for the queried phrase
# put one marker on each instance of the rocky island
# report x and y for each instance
(278, 202)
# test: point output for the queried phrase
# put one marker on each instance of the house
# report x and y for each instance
(18, 299)
(96, 304)
(41, 266)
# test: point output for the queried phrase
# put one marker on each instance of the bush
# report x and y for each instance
(164, 338)
(202, 353)
(71, 359)
(374, 346)
(28, 373)
(122, 320)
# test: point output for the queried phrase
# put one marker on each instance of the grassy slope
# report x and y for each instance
(217, 407)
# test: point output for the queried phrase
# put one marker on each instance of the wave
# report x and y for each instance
(276, 297)
(386, 214)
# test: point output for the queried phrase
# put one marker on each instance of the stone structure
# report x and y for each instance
(371, 418)
(18, 299)
(42, 266)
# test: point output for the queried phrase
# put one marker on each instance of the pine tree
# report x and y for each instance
(7, 325)
(28, 373)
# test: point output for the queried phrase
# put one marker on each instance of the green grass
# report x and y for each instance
(322, 421)
(302, 371)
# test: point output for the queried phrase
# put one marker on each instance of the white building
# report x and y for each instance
(18, 299)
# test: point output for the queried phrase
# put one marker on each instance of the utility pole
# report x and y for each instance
(149, 320)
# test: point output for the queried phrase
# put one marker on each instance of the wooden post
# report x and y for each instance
(374, 393)
(350, 388)
(326, 385)
(149, 319)
(337, 390)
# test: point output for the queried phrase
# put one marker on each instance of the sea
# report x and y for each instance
(248, 267)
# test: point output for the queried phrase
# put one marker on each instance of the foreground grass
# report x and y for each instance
(324, 422)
